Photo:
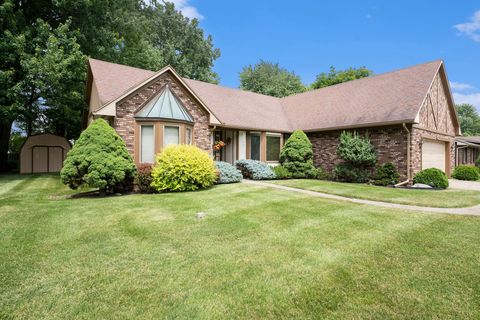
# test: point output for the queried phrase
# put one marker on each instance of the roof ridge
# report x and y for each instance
(230, 88)
(365, 78)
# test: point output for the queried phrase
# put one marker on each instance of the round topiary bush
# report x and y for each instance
(434, 177)
(297, 156)
(99, 159)
(227, 173)
(183, 168)
(465, 172)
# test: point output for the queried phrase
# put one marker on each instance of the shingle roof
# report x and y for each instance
(242, 109)
(386, 98)
(471, 139)
(114, 79)
(391, 97)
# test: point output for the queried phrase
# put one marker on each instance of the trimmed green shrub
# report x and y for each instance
(465, 172)
(433, 177)
(358, 155)
(255, 170)
(347, 172)
(99, 159)
(144, 179)
(227, 173)
(183, 168)
(281, 172)
(297, 156)
(323, 174)
(356, 150)
(386, 174)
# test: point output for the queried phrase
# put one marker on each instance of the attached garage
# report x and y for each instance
(434, 154)
(43, 153)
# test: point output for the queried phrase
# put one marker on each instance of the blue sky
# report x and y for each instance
(309, 36)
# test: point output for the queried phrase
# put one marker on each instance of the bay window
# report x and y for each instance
(171, 135)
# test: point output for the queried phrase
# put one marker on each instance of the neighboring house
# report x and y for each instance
(468, 150)
(408, 115)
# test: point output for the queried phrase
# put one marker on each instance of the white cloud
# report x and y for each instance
(473, 99)
(458, 86)
(470, 29)
(186, 9)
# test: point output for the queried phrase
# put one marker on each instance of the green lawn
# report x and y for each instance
(449, 198)
(259, 253)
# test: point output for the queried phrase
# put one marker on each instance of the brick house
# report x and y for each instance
(408, 115)
(467, 150)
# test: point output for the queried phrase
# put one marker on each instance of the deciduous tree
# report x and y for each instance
(270, 79)
(339, 76)
(469, 119)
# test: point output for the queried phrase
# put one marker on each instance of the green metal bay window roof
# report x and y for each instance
(164, 106)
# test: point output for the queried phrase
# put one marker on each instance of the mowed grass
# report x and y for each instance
(258, 253)
(449, 198)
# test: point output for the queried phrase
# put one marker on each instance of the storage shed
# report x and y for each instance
(43, 153)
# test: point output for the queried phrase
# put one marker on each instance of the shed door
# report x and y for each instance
(40, 159)
(55, 159)
(433, 154)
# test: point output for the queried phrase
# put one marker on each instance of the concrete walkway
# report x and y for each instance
(464, 185)
(472, 211)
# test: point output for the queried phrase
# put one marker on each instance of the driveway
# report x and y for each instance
(464, 185)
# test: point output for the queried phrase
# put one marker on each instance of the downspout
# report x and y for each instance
(408, 157)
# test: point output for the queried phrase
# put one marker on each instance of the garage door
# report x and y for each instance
(433, 154)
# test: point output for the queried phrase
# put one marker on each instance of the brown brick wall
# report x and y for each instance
(390, 144)
(125, 123)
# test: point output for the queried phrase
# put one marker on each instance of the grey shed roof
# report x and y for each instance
(164, 106)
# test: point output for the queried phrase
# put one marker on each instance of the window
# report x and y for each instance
(147, 144)
(255, 146)
(188, 135)
(170, 136)
(273, 148)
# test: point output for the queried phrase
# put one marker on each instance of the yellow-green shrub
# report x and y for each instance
(183, 168)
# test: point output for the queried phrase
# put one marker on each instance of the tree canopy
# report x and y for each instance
(44, 45)
(469, 119)
(270, 79)
(339, 76)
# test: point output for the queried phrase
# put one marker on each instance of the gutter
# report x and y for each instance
(408, 157)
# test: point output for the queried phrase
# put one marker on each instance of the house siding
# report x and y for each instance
(125, 122)
(390, 143)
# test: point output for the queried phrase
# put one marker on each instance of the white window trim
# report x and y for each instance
(141, 142)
